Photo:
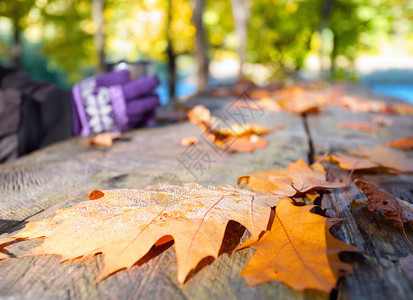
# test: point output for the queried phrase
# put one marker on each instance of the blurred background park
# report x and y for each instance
(193, 45)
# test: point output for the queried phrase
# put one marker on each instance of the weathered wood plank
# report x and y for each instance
(377, 274)
(34, 187)
(66, 172)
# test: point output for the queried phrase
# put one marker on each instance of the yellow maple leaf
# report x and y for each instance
(298, 179)
(125, 224)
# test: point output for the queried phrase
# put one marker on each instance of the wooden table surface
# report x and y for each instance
(35, 186)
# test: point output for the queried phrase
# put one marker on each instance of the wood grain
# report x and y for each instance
(33, 187)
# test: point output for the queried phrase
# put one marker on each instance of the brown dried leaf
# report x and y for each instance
(380, 200)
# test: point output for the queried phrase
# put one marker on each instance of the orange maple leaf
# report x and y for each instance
(105, 139)
(350, 163)
(3, 255)
(403, 109)
(298, 250)
(298, 179)
(405, 143)
(3, 244)
(237, 138)
(357, 104)
(125, 224)
(386, 157)
(382, 121)
(302, 106)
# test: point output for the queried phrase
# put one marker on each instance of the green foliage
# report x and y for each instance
(219, 24)
(281, 35)
(66, 41)
(280, 32)
(16, 9)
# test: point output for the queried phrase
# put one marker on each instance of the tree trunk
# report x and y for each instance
(98, 7)
(333, 56)
(241, 15)
(16, 47)
(326, 9)
(171, 55)
(201, 46)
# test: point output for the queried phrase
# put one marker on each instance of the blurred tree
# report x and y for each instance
(171, 53)
(201, 52)
(326, 8)
(280, 33)
(16, 11)
(98, 8)
(78, 35)
(219, 29)
(68, 35)
(241, 14)
(346, 26)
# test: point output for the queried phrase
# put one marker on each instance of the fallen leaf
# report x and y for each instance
(4, 243)
(359, 126)
(200, 115)
(189, 141)
(297, 180)
(357, 104)
(237, 138)
(259, 181)
(125, 224)
(406, 263)
(269, 104)
(386, 157)
(312, 195)
(403, 109)
(383, 121)
(240, 131)
(259, 93)
(380, 200)
(301, 105)
(405, 144)
(244, 144)
(105, 139)
(298, 250)
(362, 202)
(350, 163)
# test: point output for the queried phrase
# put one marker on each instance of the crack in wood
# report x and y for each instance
(311, 152)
